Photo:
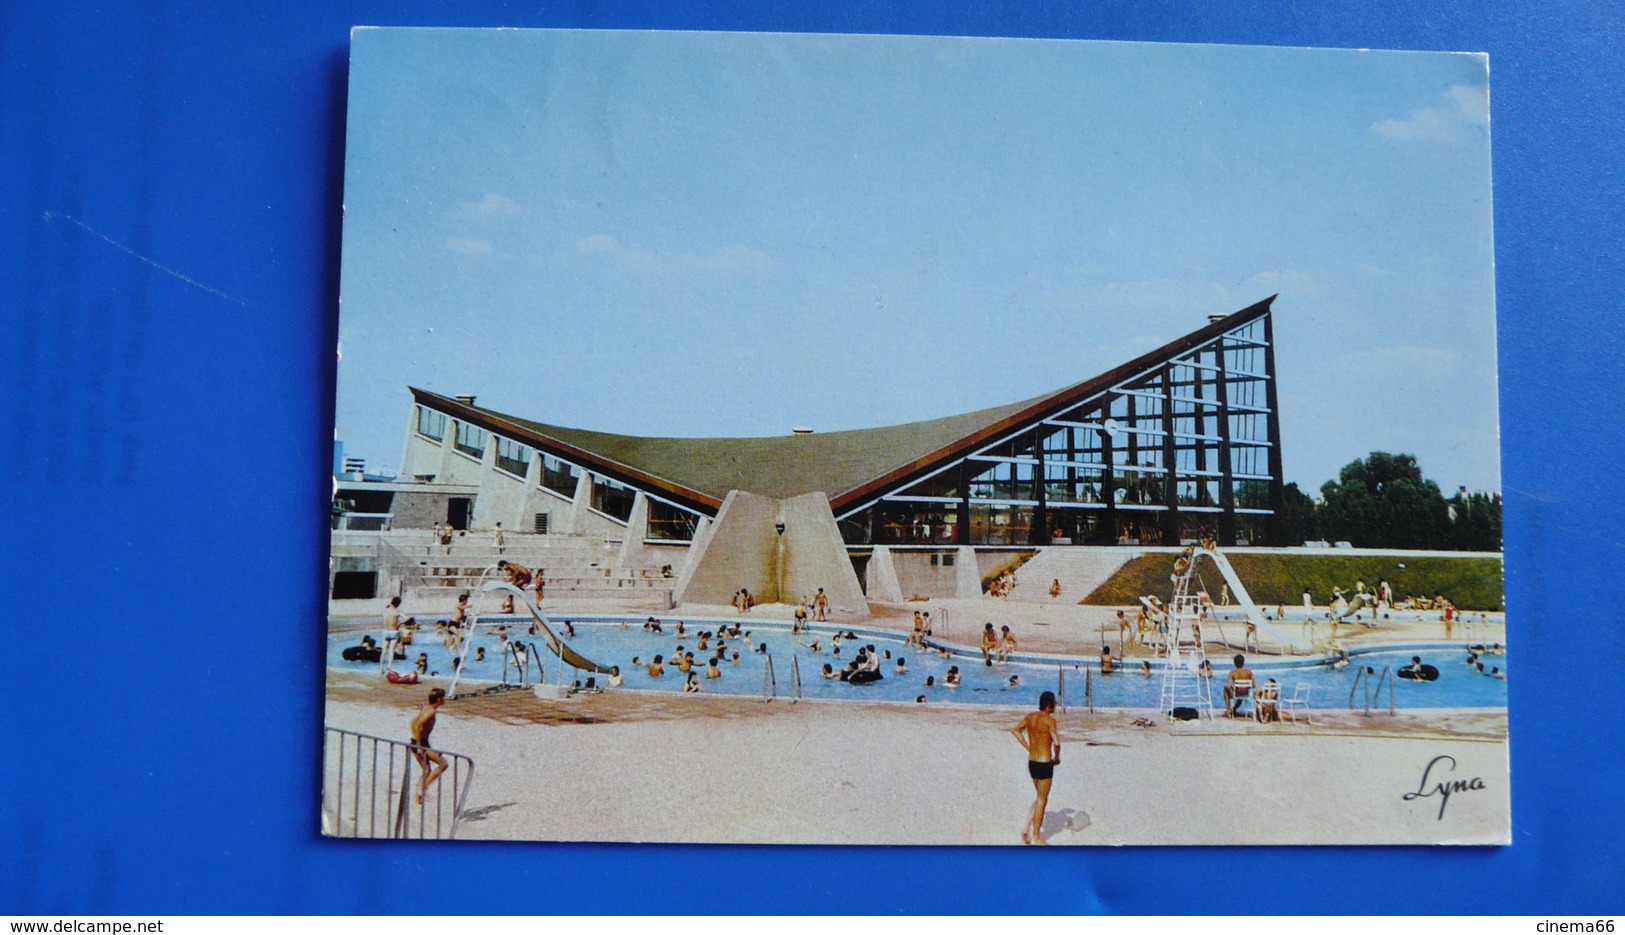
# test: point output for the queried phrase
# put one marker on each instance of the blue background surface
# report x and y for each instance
(171, 180)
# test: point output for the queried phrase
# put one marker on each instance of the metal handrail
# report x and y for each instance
(795, 678)
(353, 762)
(1364, 676)
(770, 681)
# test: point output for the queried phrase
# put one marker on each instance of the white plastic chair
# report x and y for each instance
(1297, 702)
(1241, 696)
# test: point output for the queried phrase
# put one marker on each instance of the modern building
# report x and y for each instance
(1178, 443)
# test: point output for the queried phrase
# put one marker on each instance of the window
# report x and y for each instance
(431, 424)
(512, 457)
(559, 476)
(470, 440)
(670, 522)
(612, 498)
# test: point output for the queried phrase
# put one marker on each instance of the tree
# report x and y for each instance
(1297, 516)
(1384, 502)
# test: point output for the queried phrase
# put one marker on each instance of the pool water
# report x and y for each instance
(612, 642)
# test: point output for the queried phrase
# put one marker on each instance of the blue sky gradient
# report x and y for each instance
(733, 234)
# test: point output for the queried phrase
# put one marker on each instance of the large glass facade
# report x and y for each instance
(1182, 449)
(671, 523)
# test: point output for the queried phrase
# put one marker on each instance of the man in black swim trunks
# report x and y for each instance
(422, 727)
(1042, 738)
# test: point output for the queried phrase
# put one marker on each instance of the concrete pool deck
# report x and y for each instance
(626, 766)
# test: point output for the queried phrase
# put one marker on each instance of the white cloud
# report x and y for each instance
(489, 208)
(599, 243)
(1465, 111)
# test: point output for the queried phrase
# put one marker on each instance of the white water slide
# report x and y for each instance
(1254, 615)
(558, 647)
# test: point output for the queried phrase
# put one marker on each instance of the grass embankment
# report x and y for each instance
(1471, 583)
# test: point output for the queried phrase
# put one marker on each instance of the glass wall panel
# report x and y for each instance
(431, 424)
(512, 456)
(1000, 524)
(612, 498)
(559, 476)
(470, 440)
(670, 522)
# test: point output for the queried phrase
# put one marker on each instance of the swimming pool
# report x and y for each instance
(618, 641)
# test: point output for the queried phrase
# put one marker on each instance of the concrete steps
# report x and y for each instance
(1080, 569)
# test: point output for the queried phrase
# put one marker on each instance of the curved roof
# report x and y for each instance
(847, 465)
(777, 465)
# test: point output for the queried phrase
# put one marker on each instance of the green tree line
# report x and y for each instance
(1383, 502)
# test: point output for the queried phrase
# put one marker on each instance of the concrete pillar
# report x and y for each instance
(737, 552)
(523, 518)
(815, 555)
(580, 505)
(967, 577)
(883, 585)
(637, 527)
(702, 536)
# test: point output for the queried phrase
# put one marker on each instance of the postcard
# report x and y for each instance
(825, 439)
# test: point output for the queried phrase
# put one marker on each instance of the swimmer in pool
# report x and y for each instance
(736, 657)
(930, 681)
(479, 654)
(711, 670)
(656, 670)
(692, 686)
(1015, 681)
(829, 671)
(615, 680)
(901, 667)
(1145, 668)
(952, 678)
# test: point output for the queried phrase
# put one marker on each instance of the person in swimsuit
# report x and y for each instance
(422, 727)
(990, 640)
(1041, 737)
(1007, 644)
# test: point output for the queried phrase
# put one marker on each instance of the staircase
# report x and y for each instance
(1080, 569)
(573, 566)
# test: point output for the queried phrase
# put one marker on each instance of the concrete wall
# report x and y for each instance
(414, 510)
(502, 498)
(815, 555)
(882, 577)
(738, 552)
(916, 574)
(743, 549)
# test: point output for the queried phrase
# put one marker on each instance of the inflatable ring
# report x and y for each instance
(864, 677)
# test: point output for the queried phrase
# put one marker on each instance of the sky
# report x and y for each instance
(731, 234)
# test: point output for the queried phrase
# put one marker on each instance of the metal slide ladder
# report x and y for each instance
(1182, 687)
